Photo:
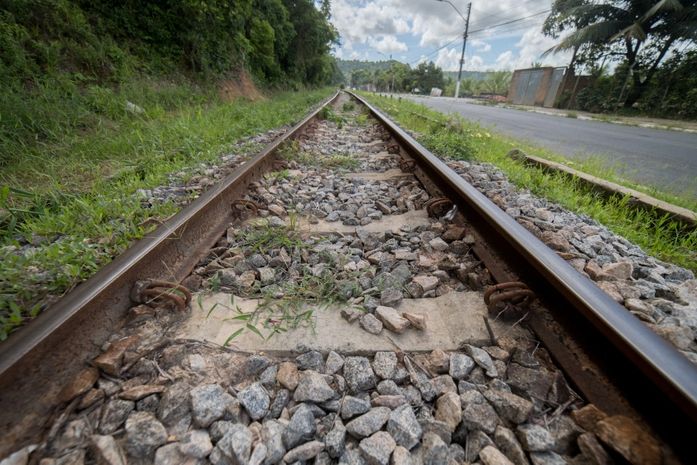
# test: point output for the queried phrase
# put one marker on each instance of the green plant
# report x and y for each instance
(278, 175)
(84, 207)
(262, 237)
(339, 161)
(449, 143)
(214, 282)
(328, 114)
(657, 235)
(325, 113)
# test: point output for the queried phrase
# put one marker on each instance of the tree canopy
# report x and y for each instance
(277, 40)
(638, 34)
(399, 77)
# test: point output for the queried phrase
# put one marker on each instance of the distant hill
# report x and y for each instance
(348, 66)
(475, 75)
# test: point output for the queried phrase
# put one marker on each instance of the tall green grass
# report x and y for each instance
(655, 234)
(68, 205)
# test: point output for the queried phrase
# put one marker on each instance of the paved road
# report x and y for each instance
(662, 158)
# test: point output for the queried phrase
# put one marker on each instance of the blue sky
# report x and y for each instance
(413, 31)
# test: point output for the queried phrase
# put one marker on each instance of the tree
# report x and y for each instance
(639, 33)
(673, 92)
(426, 76)
(497, 82)
(308, 55)
(360, 77)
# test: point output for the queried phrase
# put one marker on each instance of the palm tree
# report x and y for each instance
(638, 32)
(497, 82)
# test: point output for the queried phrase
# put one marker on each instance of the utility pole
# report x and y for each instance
(464, 44)
(392, 73)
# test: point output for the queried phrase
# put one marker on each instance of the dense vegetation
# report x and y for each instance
(670, 93)
(393, 76)
(451, 136)
(67, 63)
(398, 77)
(651, 44)
(493, 82)
(103, 100)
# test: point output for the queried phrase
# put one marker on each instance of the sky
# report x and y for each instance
(412, 31)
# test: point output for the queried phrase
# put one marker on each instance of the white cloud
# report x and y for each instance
(387, 44)
(503, 61)
(383, 24)
(475, 63)
(448, 58)
(480, 45)
(401, 26)
(533, 44)
(359, 20)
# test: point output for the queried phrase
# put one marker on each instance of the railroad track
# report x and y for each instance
(408, 298)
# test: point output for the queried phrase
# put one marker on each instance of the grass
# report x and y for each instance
(291, 151)
(263, 237)
(362, 119)
(340, 161)
(289, 303)
(656, 235)
(68, 206)
(278, 175)
(276, 315)
(328, 114)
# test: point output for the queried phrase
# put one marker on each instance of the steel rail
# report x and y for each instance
(654, 356)
(77, 325)
(36, 360)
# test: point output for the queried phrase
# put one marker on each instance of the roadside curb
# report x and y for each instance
(584, 117)
(639, 199)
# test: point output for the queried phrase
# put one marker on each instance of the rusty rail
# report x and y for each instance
(86, 316)
(660, 381)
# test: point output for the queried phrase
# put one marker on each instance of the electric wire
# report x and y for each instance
(499, 16)
(517, 27)
(433, 52)
(510, 22)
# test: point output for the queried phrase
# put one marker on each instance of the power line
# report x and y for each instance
(516, 28)
(522, 24)
(502, 14)
(511, 21)
(520, 27)
(423, 57)
(483, 29)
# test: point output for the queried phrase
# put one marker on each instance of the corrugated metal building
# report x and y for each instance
(536, 86)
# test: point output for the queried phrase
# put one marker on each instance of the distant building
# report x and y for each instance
(436, 92)
(545, 86)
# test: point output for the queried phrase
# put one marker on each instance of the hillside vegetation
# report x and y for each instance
(103, 101)
(68, 65)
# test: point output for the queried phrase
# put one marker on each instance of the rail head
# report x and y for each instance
(26, 339)
(654, 356)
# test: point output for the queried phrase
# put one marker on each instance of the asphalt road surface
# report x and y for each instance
(655, 157)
